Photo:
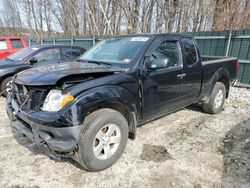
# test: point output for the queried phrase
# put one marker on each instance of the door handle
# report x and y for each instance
(181, 75)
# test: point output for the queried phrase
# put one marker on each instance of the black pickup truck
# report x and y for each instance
(87, 109)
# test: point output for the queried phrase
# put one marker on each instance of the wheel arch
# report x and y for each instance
(221, 75)
(10, 72)
(225, 81)
(2, 79)
(6, 76)
(113, 97)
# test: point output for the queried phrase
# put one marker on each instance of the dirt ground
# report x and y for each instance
(185, 149)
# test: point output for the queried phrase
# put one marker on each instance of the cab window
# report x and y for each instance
(170, 50)
(16, 43)
(190, 51)
(48, 55)
(3, 45)
(70, 53)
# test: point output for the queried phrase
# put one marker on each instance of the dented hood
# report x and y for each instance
(51, 74)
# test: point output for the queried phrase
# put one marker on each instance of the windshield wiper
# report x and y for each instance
(100, 62)
(80, 60)
(93, 61)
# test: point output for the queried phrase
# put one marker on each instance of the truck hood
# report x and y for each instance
(50, 75)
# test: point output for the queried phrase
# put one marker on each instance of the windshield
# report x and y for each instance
(21, 54)
(120, 50)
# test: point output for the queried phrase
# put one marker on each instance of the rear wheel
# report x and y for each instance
(216, 101)
(103, 139)
(6, 85)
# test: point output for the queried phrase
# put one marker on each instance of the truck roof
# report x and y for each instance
(53, 45)
(175, 35)
(12, 37)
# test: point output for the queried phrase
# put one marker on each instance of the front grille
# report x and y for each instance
(28, 98)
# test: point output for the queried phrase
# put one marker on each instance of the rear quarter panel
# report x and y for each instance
(215, 69)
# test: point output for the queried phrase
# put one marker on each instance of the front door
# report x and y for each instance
(48, 56)
(163, 88)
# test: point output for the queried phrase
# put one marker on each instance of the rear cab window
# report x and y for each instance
(190, 51)
(16, 43)
(3, 45)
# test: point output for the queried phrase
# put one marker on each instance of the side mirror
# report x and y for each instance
(160, 63)
(33, 60)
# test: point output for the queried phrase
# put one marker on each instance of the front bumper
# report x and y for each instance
(60, 141)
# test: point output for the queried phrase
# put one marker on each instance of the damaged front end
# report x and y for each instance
(56, 131)
(49, 108)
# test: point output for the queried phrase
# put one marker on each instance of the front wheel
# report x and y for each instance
(216, 101)
(103, 139)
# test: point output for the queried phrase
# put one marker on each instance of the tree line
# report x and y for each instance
(39, 18)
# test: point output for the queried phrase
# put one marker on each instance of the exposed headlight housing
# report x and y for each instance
(55, 100)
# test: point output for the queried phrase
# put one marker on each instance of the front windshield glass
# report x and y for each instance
(21, 54)
(120, 50)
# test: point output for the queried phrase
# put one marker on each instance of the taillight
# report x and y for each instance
(237, 67)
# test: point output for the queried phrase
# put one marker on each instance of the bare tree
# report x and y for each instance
(41, 18)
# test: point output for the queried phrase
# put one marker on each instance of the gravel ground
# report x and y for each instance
(185, 149)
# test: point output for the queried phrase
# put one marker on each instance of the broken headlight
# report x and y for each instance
(55, 100)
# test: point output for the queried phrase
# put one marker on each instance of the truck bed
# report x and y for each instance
(211, 63)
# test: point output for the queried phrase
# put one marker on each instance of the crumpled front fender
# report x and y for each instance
(108, 96)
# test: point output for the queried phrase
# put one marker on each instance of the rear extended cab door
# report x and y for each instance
(192, 76)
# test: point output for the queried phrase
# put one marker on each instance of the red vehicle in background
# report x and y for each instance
(10, 45)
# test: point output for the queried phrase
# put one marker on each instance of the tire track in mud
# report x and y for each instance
(187, 128)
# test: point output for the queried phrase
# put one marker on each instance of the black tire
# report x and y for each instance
(4, 84)
(210, 105)
(91, 126)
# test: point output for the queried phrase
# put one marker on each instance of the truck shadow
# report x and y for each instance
(195, 107)
(236, 155)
